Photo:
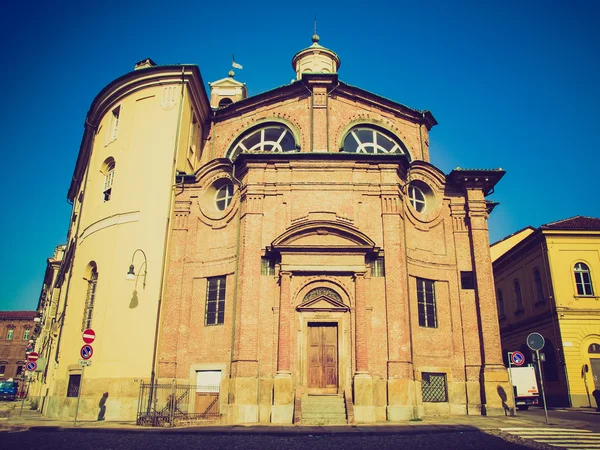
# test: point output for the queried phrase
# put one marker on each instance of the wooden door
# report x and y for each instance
(322, 358)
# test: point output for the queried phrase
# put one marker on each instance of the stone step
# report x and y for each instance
(324, 408)
(324, 422)
(319, 400)
(324, 415)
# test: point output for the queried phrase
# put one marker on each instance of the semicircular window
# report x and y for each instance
(267, 138)
(363, 139)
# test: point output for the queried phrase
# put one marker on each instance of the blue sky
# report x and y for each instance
(512, 84)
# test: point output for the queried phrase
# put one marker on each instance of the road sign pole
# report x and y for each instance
(78, 396)
(22, 396)
(512, 389)
(539, 364)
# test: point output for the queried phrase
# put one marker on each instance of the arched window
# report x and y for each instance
(90, 297)
(500, 299)
(322, 292)
(518, 296)
(109, 176)
(265, 138)
(583, 279)
(539, 289)
(225, 102)
(594, 348)
(366, 139)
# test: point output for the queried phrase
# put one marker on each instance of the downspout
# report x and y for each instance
(421, 139)
(550, 287)
(79, 216)
(236, 275)
(166, 239)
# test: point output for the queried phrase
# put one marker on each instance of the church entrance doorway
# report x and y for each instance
(322, 358)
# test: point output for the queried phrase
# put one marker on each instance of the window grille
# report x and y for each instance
(426, 303)
(434, 387)
(215, 301)
(73, 388)
(90, 300)
(378, 268)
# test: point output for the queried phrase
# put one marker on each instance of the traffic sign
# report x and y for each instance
(517, 358)
(86, 351)
(89, 336)
(31, 366)
(535, 341)
(85, 363)
(33, 356)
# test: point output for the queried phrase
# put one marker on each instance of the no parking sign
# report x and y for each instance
(517, 358)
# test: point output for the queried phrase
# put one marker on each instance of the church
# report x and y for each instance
(294, 254)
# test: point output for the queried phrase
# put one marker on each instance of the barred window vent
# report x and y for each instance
(434, 387)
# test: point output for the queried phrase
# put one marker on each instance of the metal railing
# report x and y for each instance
(169, 405)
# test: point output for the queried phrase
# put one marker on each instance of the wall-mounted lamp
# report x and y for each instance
(37, 319)
(131, 273)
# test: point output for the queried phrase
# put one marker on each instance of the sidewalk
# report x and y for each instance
(32, 420)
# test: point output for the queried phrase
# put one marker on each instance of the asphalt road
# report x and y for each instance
(125, 439)
(591, 416)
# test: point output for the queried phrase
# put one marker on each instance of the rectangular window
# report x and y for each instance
(267, 266)
(19, 370)
(426, 303)
(193, 140)
(466, 280)
(9, 334)
(114, 124)
(2, 370)
(433, 387)
(73, 388)
(378, 268)
(26, 334)
(215, 301)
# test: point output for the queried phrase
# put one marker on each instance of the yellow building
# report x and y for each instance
(547, 282)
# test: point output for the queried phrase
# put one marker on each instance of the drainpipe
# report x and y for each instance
(554, 316)
(166, 243)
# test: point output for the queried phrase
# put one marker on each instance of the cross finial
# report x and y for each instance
(315, 37)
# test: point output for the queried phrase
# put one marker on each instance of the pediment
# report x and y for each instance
(322, 303)
(226, 82)
(323, 234)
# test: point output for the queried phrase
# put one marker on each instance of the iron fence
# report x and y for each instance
(169, 405)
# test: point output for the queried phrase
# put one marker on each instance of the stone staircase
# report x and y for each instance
(323, 410)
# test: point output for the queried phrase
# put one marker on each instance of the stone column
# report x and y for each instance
(244, 368)
(401, 384)
(495, 375)
(282, 410)
(364, 410)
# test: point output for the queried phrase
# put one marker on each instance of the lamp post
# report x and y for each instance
(131, 273)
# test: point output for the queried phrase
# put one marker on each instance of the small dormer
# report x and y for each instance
(315, 59)
(226, 91)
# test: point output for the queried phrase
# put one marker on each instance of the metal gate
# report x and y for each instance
(169, 405)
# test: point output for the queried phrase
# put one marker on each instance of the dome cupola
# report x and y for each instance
(315, 59)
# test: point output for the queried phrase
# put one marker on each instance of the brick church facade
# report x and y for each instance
(317, 252)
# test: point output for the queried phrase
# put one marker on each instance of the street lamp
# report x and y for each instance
(131, 273)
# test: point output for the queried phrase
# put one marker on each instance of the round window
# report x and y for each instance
(417, 198)
(223, 196)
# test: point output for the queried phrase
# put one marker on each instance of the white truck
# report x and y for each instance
(525, 386)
